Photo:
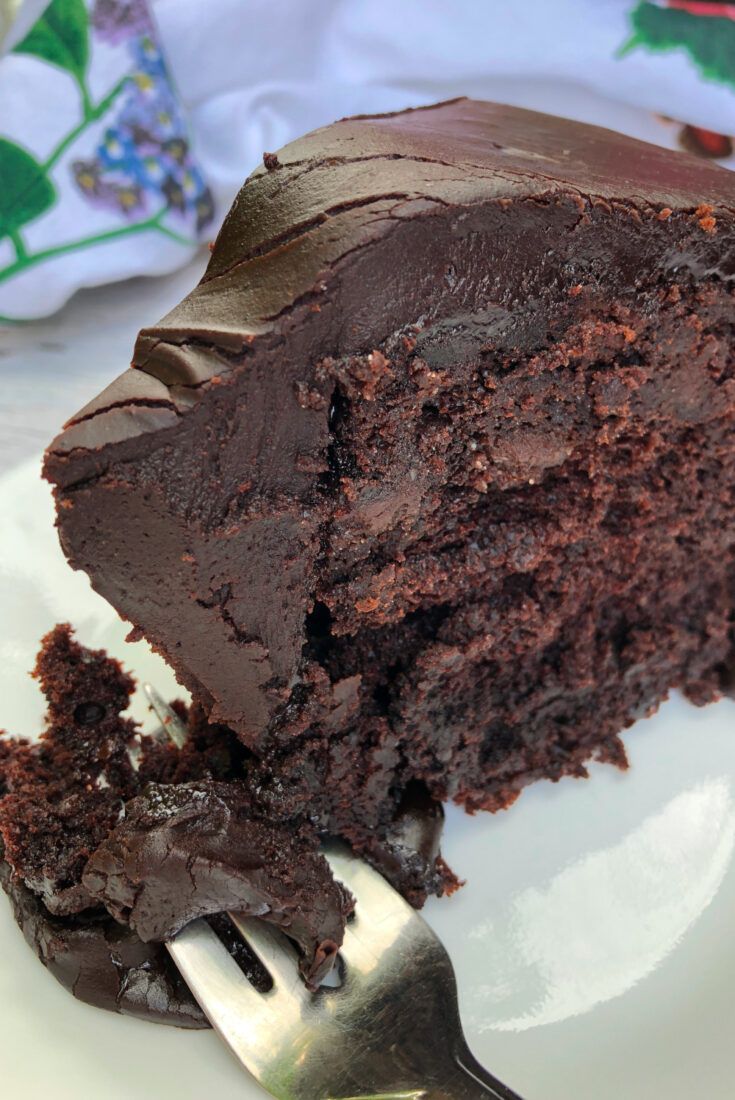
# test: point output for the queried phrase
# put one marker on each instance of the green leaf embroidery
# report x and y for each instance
(25, 189)
(61, 37)
(709, 40)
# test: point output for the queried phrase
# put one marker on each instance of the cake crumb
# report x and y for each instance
(309, 398)
(367, 604)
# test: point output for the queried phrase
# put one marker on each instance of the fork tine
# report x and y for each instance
(169, 719)
(376, 902)
(358, 950)
(216, 980)
(381, 915)
(275, 952)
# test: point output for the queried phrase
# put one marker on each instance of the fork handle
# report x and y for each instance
(468, 1080)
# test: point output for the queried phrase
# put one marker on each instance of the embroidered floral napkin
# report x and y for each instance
(97, 176)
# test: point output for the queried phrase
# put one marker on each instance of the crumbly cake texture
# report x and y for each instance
(104, 858)
(435, 465)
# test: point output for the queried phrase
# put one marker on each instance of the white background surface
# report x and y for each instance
(593, 942)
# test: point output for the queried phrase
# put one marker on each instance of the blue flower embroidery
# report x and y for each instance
(143, 161)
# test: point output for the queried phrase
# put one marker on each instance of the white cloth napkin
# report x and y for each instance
(250, 75)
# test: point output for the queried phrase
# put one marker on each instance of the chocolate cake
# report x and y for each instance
(425, 492)
(428, 485)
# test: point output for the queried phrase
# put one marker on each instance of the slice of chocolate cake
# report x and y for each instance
(428, 485)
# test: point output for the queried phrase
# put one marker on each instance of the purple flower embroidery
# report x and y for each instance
(143, 163)
(116, 20)
(105, 192)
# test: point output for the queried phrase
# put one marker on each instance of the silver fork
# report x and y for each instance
(390, 1030)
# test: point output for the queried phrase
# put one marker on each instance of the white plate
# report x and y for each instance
(593, 940)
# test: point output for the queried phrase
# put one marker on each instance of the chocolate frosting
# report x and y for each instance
(190, 845)
(102, 962)
(190, 850)
(407, 850)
